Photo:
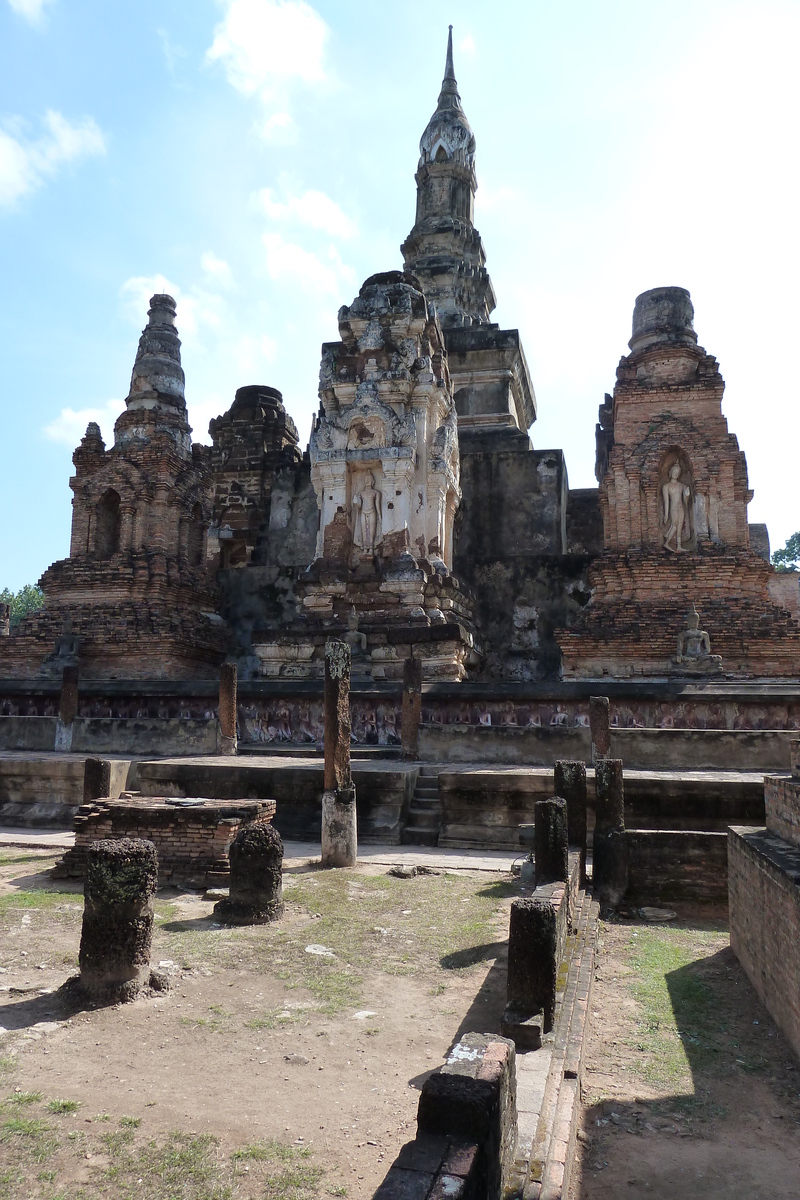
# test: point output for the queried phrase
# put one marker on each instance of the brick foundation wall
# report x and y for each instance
(192, 842)
(764, 890)
(668, 866)
(782, 807)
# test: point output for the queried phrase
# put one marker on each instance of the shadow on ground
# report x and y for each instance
(734, 1132)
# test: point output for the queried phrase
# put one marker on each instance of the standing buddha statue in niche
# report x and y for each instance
(367, 513)
(675, 498)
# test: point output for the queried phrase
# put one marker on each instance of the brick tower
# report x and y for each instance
(674, 496)
(135, 586)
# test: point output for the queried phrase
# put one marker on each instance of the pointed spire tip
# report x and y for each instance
(449, 72)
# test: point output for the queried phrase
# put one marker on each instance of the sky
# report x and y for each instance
(256, 159)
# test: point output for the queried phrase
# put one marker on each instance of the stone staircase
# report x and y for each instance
(425, 811)
(548, 1117)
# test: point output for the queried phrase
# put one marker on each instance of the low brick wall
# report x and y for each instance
(192, 842)
(466, 1128)
(482, 807)
(764, 889)
(781, 809)
(639, 749)
(677, 865)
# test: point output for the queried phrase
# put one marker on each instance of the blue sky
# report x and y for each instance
(257, 158)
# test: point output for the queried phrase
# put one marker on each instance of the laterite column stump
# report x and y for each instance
(256, 889)
(121, 881)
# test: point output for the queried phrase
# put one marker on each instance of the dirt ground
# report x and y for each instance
(690, 1090)
(267, 1069)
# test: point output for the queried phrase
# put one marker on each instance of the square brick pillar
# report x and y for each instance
(67, 709)
(227, 742)
(412, 707)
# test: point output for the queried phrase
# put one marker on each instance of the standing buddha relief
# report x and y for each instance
(676, 504)
(384, 447)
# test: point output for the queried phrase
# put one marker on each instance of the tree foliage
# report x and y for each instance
(788, 559)
(28, 599)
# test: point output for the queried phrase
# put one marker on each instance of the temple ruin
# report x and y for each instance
(414, 632)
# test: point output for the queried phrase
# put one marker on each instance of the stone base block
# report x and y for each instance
(525, 1029)
(339, 832)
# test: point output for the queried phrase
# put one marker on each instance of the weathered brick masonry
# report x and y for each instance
(764, 897)
(191, 841)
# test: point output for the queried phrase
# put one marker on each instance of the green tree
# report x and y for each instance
(788, 559)
(28, 599)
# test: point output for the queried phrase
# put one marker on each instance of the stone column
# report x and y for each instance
(67, 709)
(550, 846)
(339, 834)
(533, 965)
(610, 856)
(256, 887)
(412, 706)
(96, 779)
(570, 782)
(599, 722)
(121, 880)
(227, 709)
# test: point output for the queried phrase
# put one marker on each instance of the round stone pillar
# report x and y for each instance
(121, 881)
(256, 888)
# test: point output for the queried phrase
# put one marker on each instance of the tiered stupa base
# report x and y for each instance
(639, 607)
(404, 608)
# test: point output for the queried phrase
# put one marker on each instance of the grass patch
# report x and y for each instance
(62, 1107)
(371, 923)
(18, 1099)
(42, 899)
(30, 1136)
(680, 1028)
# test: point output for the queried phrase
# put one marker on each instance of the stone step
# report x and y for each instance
(426, 793)
(425, 804)
(415, 836)
(424, 820)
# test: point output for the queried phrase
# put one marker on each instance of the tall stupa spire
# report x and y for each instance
(156, 403)
(449, 97)
(444, 248)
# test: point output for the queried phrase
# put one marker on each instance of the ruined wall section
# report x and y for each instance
(252, 441)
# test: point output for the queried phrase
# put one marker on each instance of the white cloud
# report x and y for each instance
(31, 10)
(313, 208)
(268, 47)
(263, 43)
(279, 129)
(196, 309)
(289, 263)
(24, 165)
(217, 269)
(70, 424)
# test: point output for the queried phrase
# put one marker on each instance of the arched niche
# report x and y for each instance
(676, 500)
(107, 524)
(366, 433)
